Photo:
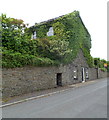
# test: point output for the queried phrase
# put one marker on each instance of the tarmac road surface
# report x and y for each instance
(89, 101)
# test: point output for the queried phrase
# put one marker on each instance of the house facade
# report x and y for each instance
(70, 28)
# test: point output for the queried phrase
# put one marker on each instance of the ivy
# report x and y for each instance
(70, 35)
(70, 30)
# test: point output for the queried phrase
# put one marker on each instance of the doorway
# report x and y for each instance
(59, 79)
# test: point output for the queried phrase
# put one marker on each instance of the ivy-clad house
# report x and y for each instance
(68, 42)
(64, 43)
(63, 37)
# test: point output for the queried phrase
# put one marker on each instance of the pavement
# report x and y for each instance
(84, 100)
(43, 93)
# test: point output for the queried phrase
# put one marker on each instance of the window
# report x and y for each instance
(75, 74)
(50, 32)
(87, 75)
(34, 35)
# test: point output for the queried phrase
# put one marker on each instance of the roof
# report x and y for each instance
(75, 13)
(50, 20)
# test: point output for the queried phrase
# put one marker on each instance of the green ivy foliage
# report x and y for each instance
(70, 35)
(69, 32)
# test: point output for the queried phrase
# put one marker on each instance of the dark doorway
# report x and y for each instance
(59, 79)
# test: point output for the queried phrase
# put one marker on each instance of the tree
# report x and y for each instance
(96, 62)
(12, 32)
(108, 66)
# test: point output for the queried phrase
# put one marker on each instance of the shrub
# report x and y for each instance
(103, 69)
(17, 59)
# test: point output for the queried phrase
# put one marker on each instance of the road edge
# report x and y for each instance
(73, 86)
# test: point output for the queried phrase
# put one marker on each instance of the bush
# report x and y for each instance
(103, 69)
(17, 59)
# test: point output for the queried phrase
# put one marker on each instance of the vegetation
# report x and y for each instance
(70, 35)
(17, 47)
(102, 64)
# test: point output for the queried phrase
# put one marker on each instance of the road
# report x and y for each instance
(89, 101)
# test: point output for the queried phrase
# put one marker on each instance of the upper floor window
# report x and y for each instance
(50, 32)
(34, 35)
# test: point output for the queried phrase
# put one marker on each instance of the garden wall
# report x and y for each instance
(18, 81)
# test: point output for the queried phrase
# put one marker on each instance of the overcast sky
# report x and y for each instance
(92, 12)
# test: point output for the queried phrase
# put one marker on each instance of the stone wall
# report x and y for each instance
(18, 81)
(75, 68)
(107, 74)
(93, 73)
(101, 74)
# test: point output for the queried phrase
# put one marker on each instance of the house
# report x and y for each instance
(70, 28)
(69, 44)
